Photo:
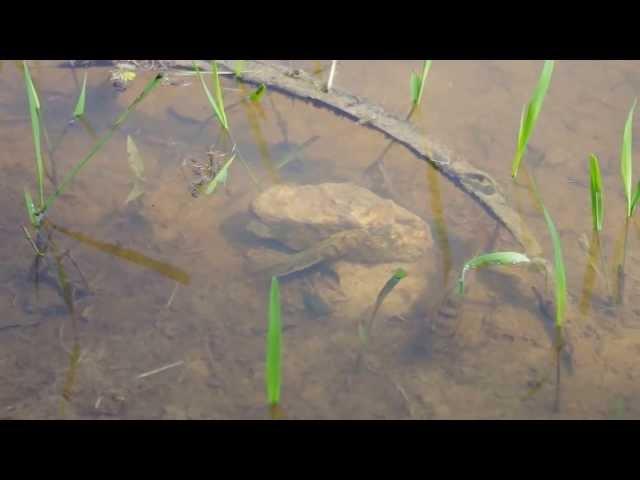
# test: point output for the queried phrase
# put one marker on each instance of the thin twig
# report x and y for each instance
(332, 73)
(173, 294)
(161, 369)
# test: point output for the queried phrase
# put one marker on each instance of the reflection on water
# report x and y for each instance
(130, 343)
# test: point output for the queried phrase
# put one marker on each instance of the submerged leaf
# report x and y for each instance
(221, 177)
(135, 160)
(136, 191)
(365, 331)
(488, 259)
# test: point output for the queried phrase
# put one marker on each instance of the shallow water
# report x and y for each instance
(164, 282)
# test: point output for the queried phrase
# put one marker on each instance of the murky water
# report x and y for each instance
(163, 281)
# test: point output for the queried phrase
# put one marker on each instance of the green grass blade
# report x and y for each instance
(257, 95)
(425, 72)
(238, 68)
(597, 204)
(415, 87)
(274, 343)
(490, 259)
(31, 209)
(418, 83)
(217, 91)
(214, 105)
(34, 113)
(625, 157)
(530, 115)
(559, 271)
(100, 143)
(636, 197)
(221, 177)
(79, 110)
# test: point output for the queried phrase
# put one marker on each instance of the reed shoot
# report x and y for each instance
(79, 110)
(626, 165)
(418, 82)
(530, 114)
(216, 100)
(597, 202)
(274, 344)
(34, 113)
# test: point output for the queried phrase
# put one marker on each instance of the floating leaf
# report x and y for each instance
(274, 344)
(488, 259)
(221, 177)
(79, 110)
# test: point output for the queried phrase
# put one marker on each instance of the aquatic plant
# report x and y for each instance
(34, 114)
(216, 100)
(36, 214)
(238, 68)
(560, 279)
(221, 177)
(597, 202)
(418, 82)
(530, 114)
(151, 85)
(626, 166)
(365, 329)
(490, 259)
(257, 95)
(137, 168)
(274, 345)
(79, 110)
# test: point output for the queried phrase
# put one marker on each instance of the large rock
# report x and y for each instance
(301, 216)
(388, 237)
